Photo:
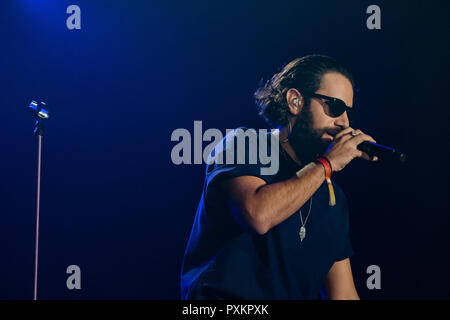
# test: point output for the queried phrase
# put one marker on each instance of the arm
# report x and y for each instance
(262, 206)
(339, 282)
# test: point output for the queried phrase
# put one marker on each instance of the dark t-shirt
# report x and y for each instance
(226, 259)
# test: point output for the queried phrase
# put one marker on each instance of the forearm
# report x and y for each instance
(339, 282)
(274, 203)
(350, 294)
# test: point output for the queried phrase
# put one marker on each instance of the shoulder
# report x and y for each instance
(245, 149)
(242, 152)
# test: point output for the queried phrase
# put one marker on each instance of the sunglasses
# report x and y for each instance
(336, 106)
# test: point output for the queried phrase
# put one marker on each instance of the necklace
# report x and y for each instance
(302, 232)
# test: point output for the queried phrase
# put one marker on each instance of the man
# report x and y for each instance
(283, 236)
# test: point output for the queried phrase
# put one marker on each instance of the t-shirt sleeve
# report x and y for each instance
(234, 156)
(346, 249)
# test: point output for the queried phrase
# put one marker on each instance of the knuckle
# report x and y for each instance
(365, 137)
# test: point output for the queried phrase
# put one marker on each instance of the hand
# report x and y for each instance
(343, 148)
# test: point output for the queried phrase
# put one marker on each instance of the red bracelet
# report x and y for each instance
(327, 167)
(331, 167)
(326, 164)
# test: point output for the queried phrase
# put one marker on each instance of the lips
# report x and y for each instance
(330, 135)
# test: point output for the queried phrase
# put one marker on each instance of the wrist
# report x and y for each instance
(329, 162)
(326, 164)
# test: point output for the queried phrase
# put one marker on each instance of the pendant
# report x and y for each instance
(302, 233)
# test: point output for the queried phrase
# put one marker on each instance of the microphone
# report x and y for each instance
(382, 152)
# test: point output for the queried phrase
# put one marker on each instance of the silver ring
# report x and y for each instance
(354, 133)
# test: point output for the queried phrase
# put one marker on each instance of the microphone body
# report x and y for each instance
(382, 152)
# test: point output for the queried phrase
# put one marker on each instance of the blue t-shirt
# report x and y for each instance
(226, 259)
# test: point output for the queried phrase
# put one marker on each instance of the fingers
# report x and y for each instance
(358, 137)
(344, 132)
(365, 156)
(361, 137)
(347, 135)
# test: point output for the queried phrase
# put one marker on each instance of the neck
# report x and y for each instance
(284, 134)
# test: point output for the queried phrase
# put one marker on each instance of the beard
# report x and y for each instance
(306, 141)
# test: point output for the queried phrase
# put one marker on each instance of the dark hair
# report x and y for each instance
(303, 74)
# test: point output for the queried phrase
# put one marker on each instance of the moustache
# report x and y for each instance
(334, 132)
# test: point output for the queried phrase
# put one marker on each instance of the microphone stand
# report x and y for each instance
(39, 131)
(41, 114)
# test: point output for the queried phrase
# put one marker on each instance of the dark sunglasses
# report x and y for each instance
(337, 106)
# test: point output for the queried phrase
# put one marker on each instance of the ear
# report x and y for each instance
(295, 101)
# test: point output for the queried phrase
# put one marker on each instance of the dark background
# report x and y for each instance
(112, 200)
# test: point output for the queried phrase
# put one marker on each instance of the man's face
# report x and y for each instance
(315, 127)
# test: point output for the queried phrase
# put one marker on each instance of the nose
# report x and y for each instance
(342, 120)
